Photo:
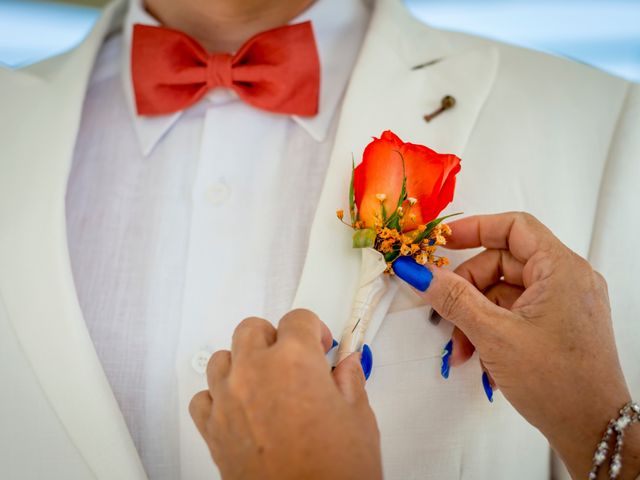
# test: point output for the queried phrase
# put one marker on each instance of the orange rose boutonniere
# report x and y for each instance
(396, 195)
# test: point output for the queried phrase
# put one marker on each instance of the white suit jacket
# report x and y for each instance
(536, 133)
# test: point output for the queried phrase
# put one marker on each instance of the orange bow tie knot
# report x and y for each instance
(219, 71)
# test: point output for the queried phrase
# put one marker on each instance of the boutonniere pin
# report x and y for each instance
(395, 197)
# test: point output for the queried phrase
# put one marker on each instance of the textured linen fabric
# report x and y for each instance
(181, 225)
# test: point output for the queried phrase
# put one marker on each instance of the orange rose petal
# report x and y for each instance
(430, 179)
(379, 172)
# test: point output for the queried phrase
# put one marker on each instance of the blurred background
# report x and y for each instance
(603, 33)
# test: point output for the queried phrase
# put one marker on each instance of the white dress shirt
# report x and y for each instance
(180, 226)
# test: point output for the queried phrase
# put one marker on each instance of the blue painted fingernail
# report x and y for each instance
(413, 273)
(366, 360)
(487, 386)
(446, 353)
(334, 344)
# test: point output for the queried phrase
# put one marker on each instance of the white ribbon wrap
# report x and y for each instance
(373, 286)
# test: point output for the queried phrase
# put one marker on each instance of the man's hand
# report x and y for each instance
(275, 410)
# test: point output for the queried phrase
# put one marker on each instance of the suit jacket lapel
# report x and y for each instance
(404, 70)
(45, 103)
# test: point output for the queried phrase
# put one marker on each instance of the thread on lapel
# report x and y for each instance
(426, 64)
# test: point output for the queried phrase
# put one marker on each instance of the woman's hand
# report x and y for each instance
(275, 410)
(545, 336)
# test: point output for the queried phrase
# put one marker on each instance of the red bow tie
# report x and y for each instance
(277, 70)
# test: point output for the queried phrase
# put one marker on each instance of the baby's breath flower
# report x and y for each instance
(441, 261)
(387, 246)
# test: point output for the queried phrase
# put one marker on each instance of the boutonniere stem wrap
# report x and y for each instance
(395, 197)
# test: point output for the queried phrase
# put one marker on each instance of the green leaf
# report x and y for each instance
(391, 256)
(403, 192)
(353, 215)
(394, 220)
(431, 225)
(364, 238)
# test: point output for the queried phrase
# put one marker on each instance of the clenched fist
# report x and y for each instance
(275, 410)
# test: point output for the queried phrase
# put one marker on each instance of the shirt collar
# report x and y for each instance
(339, 27)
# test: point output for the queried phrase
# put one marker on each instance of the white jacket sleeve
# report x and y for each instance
(615, 247)
(615, 243)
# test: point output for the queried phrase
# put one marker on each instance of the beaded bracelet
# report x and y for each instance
(628, 415)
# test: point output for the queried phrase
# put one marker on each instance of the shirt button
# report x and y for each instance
(200, 361)
(218, 193)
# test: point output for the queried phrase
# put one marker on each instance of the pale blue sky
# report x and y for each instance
(33, 30)
(604, 33)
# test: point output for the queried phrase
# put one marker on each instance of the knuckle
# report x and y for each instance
(250, 323)
(584, 273)
(303, 312)
(527, 218)
(299, 315)
(196, 402)
(192, 407)
(601, 286)
(217, 358)
(252, 326)
(601, 280)
(581, 263)
(543, 264)
(453, 300)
